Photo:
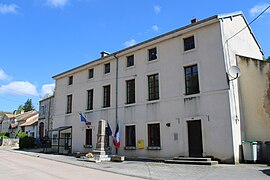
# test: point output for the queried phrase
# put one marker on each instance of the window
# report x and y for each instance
(152, 54)
(90, 95)
(69, 104)
(153, 87)
(154, 135)
(90, 73)
(106, 96)
(192, 80)
(189, 43)
(130, 61)
(130, 136)
(130, 91)
(42, 110)
(88, 137)
(107, 68)
(70, 80)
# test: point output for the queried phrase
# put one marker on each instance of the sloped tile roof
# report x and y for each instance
(30, 121)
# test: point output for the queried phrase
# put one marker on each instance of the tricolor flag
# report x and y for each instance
(84, 119)
(116, 139)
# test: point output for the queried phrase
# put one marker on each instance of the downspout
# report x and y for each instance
(116, 95)
(227, 63)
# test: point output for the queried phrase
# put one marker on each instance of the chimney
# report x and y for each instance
(194, 20)
(104, 54)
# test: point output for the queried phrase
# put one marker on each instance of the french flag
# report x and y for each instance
(116, 139)
(84, 119)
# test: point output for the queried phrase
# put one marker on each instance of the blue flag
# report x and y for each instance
(109, 131)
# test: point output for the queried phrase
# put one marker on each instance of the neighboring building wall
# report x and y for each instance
(46, 111)
(254, 87)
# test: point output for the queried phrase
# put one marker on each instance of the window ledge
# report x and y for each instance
(152, 101)
(130, 104)
(89, 110)
(154, 148)
(189, 51)
(152, 61)
(192, 95)
(130, 67)
(130, 148)
(87, 146)
(68, 114)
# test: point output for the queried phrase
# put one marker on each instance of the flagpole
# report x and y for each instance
(116, 97)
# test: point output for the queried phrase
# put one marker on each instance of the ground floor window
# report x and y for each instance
(88, 137)
(153, 135)
(130, 136)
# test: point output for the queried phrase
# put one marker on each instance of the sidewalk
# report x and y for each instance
(156, 170)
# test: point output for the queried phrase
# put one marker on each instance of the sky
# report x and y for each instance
(42, 38)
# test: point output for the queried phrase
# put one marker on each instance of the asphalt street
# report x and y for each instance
(18, 166)
(49, 166)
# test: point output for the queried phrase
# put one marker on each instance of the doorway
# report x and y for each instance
(195, 138)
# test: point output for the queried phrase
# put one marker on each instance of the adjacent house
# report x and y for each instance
(170, 95)
(6, 123)
(45, 120)
(30, 126)
(19, 120)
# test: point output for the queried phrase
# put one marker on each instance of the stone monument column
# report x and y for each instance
(101, 135)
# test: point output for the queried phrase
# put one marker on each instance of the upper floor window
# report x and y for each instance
(42, 110)
(69, 104)
(107, 68)
(189, 43)
(106, 96)
(152, 53)
(130, 136)
(153, 87)
(90, 95)
(90, 73)
(192, 80)
(130, 91)
(130, 61)
(70, 80)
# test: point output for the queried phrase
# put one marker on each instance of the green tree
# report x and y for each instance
(28, 105)
(20, 108)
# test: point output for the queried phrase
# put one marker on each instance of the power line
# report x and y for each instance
(249, 23)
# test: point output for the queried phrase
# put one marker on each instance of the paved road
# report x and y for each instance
(147, 170)
(18, 166)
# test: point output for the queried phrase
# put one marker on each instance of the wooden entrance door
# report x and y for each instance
(195, 138)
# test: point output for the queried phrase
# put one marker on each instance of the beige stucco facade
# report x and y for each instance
(216, 106)
(255, 99)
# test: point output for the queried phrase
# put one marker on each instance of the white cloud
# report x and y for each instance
(3, 75)
(6, 9)
(19, 88)
(157, 9)
(47, 89)
(57, 3)
(130, 43)
(155, 28)
(257, 9)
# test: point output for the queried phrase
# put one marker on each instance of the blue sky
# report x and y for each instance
(42, 38)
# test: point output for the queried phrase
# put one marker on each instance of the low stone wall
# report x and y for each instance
(10, 142)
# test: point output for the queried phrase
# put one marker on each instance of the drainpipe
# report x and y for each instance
(116, 95)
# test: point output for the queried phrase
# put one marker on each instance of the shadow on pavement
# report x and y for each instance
(266, 171)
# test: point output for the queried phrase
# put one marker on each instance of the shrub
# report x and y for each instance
(3, 135)
(27, 142)
(21, 134)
